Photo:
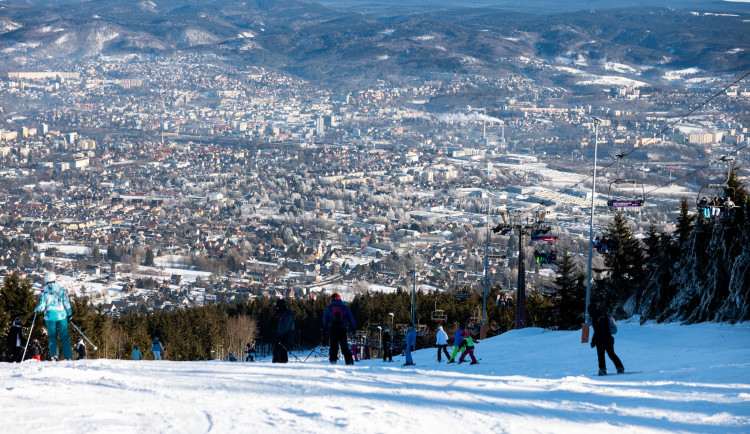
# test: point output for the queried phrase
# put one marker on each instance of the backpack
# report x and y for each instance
(337, 316)
(612, 326)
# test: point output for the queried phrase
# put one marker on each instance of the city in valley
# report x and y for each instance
(161, 181)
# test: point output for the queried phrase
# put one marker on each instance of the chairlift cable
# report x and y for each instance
(680, 119)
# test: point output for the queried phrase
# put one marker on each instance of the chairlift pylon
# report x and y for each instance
(617, 199)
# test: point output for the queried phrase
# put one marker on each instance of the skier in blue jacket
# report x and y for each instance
(337, 319)
(411, 341)
(457, 339)
(55, 304)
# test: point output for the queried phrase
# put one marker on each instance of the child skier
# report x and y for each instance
(468, 343)
(81, 349)
(136, 354)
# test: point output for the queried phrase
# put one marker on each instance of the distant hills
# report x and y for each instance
(322, 42)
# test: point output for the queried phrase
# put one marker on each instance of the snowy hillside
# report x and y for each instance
(695, 379)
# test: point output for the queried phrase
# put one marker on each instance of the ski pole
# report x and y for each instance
(287, 350)
(84, 336)
(28, 338)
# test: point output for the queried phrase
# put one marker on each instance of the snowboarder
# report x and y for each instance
(55, 304)
(250, 353)
(16, 341)
(35, 349)
(157, 348)
(136, 354)
(284, 332)
(387, 346)
(411, 341)
(603, 341)
(81, 349)
(442, 344)
(468, 345)
(337, 319)
(457, 339)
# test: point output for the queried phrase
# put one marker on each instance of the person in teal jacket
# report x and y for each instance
(136, 354)
(55, 304)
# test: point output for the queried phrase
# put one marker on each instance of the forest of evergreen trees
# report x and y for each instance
(700, 272)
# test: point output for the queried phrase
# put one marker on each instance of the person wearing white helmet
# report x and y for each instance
(55, 304)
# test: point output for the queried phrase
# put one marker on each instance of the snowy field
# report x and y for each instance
(695, 379)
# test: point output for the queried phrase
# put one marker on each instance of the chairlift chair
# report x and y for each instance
(712, 189)
(620, 198)
(439, 315)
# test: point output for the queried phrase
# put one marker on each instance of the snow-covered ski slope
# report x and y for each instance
(696, 379)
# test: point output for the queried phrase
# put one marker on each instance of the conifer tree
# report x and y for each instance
(626, 269)
(569, 300)
(16, 301)
(684, 222)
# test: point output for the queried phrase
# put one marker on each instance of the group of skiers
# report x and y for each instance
(712, 208)
(337, 321)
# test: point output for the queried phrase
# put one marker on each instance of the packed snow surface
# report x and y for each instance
(694, 378)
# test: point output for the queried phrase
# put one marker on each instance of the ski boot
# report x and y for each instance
(602, 372)
(474, 363)
(621, 370)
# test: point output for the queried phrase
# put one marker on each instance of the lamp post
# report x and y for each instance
(587, 320)
(380, 340)
(391, 314)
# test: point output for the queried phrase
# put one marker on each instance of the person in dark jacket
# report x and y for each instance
(81, 349)
(603, 340)
(35, 350)
(16, 342)
(284, 332)
(387, 353)
(338, 319)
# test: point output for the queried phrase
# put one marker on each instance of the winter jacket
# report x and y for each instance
(157, 347)
(468, 343)
(601, 332)
(15, 337)
(285, 328)
(81, 350)
(35, 349)
(387, 339)
(457, 338)
(344, 319)
(442, 337)
(54, 302)
(136, 354)
(411, 338)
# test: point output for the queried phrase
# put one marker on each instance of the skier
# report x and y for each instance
(16, 341)
(411, 341)
(387, 346)
(457, 339)
(603, 341)
(55, 304)
(284, 332)
(250, 353)
(157, 348)
(355, 351)
(81, 349)
(35, 349)
(442, 343)
(337, 319)
(136, 354)
(468, 345)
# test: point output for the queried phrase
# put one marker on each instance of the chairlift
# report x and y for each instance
(439, 315)
(545, 233)
(708, 191)
(621, 198)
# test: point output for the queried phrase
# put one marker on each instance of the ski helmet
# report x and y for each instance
(49, 277)
(281, 304)
(335, 296)
(17, 321)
